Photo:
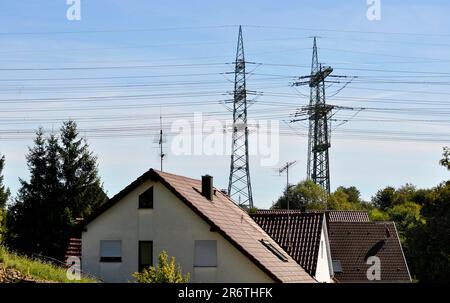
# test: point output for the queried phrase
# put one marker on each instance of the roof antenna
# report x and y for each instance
(280, 171)
(161, 140)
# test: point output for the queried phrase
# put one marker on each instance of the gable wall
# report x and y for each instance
(172, 226)
(323, 269)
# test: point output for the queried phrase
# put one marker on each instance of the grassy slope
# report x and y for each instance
(37, 270)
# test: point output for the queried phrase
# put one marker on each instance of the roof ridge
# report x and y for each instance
(159, 172)
(245, 215)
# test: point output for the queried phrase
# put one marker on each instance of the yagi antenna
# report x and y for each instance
(161, 141)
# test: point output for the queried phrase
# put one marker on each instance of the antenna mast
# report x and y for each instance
(286, 169)
(280, 171)
(161, 141)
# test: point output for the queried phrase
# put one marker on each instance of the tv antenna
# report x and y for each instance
(161, 141)
(283, 169)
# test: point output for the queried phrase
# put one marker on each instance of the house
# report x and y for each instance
(304, 236)
(342, 241)
(210, 236)
(353, 244)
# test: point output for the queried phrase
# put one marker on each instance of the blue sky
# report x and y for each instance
(178, 52)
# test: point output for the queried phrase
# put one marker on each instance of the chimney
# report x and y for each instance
(207, 187)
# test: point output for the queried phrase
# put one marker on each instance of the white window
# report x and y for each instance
(205, 254)
(110, 251)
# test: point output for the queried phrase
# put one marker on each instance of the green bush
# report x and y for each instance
(165, 272)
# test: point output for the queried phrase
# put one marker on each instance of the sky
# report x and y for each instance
(125, 63)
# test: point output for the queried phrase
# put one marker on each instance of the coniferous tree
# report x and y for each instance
(4, 196)
(57, 222)
(82, 186)
(4, 191)
(24, 220)
(64, 185)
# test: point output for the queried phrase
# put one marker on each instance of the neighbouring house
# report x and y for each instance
(303, 235)
(210, 236)
(344, 242)
(353, 246)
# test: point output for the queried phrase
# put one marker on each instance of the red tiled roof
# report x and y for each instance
(304, 229)
(351, 243)
(73, 248)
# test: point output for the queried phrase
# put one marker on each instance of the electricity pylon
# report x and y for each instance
(319, 114)
(239, 186)
(318, 167)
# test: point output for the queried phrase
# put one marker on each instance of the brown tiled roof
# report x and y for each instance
(237, 227)
(304, 230)
(73, 248)
(225, 217)
(278, 211)
(351, 243)
(347, 216)
(332, 215)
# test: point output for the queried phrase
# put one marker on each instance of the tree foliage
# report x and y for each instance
(63, 186)
(376, 214)
(428, 242)
(422, 217)
(4, 196)
(305, 194)
(345, 198)
(311, 196)
(79, 174)
(165, 272)
(406, 215)
(445, 161)
(389, 197)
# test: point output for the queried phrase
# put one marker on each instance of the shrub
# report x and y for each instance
(165, 272)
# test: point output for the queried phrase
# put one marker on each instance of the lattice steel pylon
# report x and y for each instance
(318, 167)
(239, 186)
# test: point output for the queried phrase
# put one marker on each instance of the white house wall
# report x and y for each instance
(323, 273)
(172, 226)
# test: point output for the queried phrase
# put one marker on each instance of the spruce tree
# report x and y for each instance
(25, 222)
(82, 186)
(4, 191)
(64, 185)
(4, 196)
(57, 222)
